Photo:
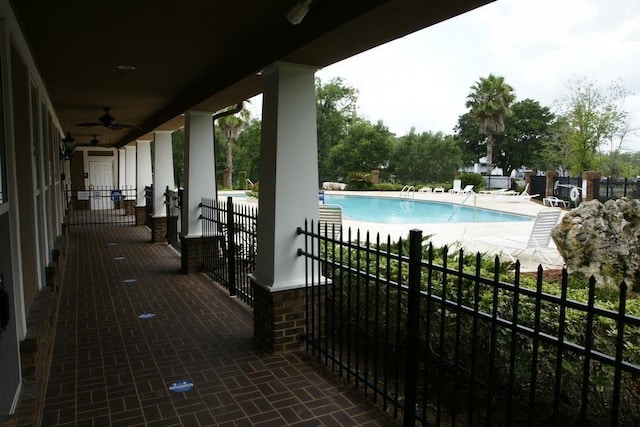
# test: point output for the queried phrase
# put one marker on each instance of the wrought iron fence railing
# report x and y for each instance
(615, 188)
(229, 245)
(148, 209)
(443, 344)
(173, 204)
(100, 205)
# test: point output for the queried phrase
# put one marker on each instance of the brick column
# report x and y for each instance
(141, 215)
(159, 230)
(551, 179)
(194, 250)
(590, 180)
(527, 180)
(278, 319)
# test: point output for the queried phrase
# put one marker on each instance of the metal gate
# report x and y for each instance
(101, 205)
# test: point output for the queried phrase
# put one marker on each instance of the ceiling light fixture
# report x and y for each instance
(126, 68)
(296, 14)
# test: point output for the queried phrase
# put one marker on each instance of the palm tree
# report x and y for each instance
(490, 101)
(231, 126)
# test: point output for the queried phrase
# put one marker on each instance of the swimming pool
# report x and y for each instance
(409, 211)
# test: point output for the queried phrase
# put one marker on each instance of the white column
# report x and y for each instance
(199, 169)
(288, 174)
(163, 171)
(144, 176)
(122, 159)
(130, 170)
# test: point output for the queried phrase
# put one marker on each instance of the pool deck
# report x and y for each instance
(461, 234)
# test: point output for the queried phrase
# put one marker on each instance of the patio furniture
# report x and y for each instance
(330, 221)
(457, 184)
(554, 201)
(537, 241)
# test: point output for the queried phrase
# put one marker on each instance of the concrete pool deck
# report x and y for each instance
(463, 234)
(457, 235)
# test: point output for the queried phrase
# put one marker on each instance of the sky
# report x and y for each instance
(422, 80)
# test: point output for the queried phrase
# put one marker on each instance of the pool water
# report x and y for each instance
(409, 211)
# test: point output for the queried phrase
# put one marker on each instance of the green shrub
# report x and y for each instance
(387, 186)
(474, 179)
(358, 181)
(475, 346)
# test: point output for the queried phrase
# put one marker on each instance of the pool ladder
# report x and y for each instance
(469, 194)
(408, 190)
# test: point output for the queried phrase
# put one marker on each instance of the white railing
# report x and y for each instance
(408, 191)
(469, 194)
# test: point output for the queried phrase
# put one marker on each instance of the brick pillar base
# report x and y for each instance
(141, 215)
(278, 319)
(159, 229)
(194, 250)
(129, 207)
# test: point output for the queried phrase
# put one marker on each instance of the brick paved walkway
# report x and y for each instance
(110, 368)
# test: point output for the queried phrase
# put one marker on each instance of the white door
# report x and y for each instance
(101, 184)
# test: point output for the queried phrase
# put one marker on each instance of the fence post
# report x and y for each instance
(167, 206)
(231, 250)
(413, 319)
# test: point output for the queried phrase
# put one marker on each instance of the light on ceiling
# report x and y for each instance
(68, 147)
(297, 13)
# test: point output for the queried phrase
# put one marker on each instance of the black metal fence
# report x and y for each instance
(148, 209)
(229, 245)
(444, 345)
(615, 188)
(101, 205)
(173, 204)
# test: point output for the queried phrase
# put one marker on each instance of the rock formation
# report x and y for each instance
(602, 240)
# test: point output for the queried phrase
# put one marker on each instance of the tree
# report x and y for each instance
(365, 147)
(594, 116)
(472, 143)
(489, 101)
(177, 146)
(336, 110)
(247, 150)
(231, 126)
(425, 157)
(526, 129)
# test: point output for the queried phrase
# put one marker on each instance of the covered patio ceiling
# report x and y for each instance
(194, 54)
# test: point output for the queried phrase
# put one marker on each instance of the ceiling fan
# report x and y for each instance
(108, 121)
(94, 142)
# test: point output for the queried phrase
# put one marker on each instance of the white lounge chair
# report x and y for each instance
(500, 192)
(537, 241)
(457, 185)
(465, 190)
(330, 219)
(554, 201)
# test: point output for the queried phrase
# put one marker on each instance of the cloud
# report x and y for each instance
(423, 79)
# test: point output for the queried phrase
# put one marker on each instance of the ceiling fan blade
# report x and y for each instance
(88, 124)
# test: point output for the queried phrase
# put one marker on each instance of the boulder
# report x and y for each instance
(601, 240)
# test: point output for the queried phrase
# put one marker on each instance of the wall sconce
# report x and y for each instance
(68, 147)
(297, 13)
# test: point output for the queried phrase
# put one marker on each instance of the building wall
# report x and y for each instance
(9, 355)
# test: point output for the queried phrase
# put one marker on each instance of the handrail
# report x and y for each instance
(406, 190)
(248, 181)
(469, 194)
